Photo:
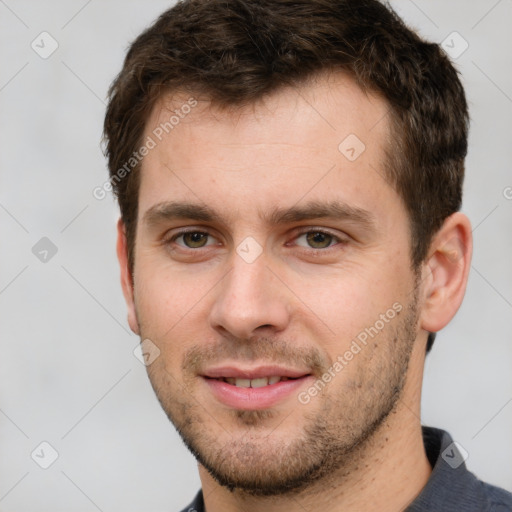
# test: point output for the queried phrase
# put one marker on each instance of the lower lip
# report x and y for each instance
(255, 398)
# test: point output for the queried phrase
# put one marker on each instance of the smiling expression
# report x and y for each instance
(262, 250)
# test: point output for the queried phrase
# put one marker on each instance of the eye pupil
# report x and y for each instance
(195, 239)
(318, 240)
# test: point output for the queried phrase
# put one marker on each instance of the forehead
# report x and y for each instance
(326, 136)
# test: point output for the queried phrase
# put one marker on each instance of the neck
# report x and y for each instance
(389, 469)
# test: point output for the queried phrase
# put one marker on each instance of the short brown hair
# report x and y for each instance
(237, 51)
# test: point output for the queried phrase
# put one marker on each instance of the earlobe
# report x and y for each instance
(126, 276)
(445, 272)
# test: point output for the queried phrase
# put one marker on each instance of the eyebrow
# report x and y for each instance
(336, 210)
(172, 210)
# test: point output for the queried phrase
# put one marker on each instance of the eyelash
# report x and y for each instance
(336, 240)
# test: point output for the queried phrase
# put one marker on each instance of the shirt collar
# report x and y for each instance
(450, 486)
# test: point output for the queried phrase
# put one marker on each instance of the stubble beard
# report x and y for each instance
(264, 461)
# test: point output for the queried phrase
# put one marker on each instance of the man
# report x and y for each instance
(289, 176)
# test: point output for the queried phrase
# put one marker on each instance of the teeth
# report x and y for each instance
(259, 383)
(254, 383)
(243, 383)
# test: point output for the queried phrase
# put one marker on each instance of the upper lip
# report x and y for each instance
(254, 372)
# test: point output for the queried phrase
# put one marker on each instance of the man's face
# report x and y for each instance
(264, 248)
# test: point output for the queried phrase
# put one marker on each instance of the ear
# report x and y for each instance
(126, 276)
(445, 272)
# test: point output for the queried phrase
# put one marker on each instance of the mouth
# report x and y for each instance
(255, 388)
(254, 383)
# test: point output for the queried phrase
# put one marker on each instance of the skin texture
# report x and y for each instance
(358, 441)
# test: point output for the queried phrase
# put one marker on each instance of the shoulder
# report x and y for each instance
(498, 500)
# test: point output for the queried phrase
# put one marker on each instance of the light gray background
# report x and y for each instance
(68, 374)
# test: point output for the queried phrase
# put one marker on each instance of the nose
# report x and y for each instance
(251, 300)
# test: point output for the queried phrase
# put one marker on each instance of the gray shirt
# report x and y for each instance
(450, 488)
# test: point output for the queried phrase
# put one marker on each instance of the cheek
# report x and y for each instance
(345, 303)
(167, 305)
